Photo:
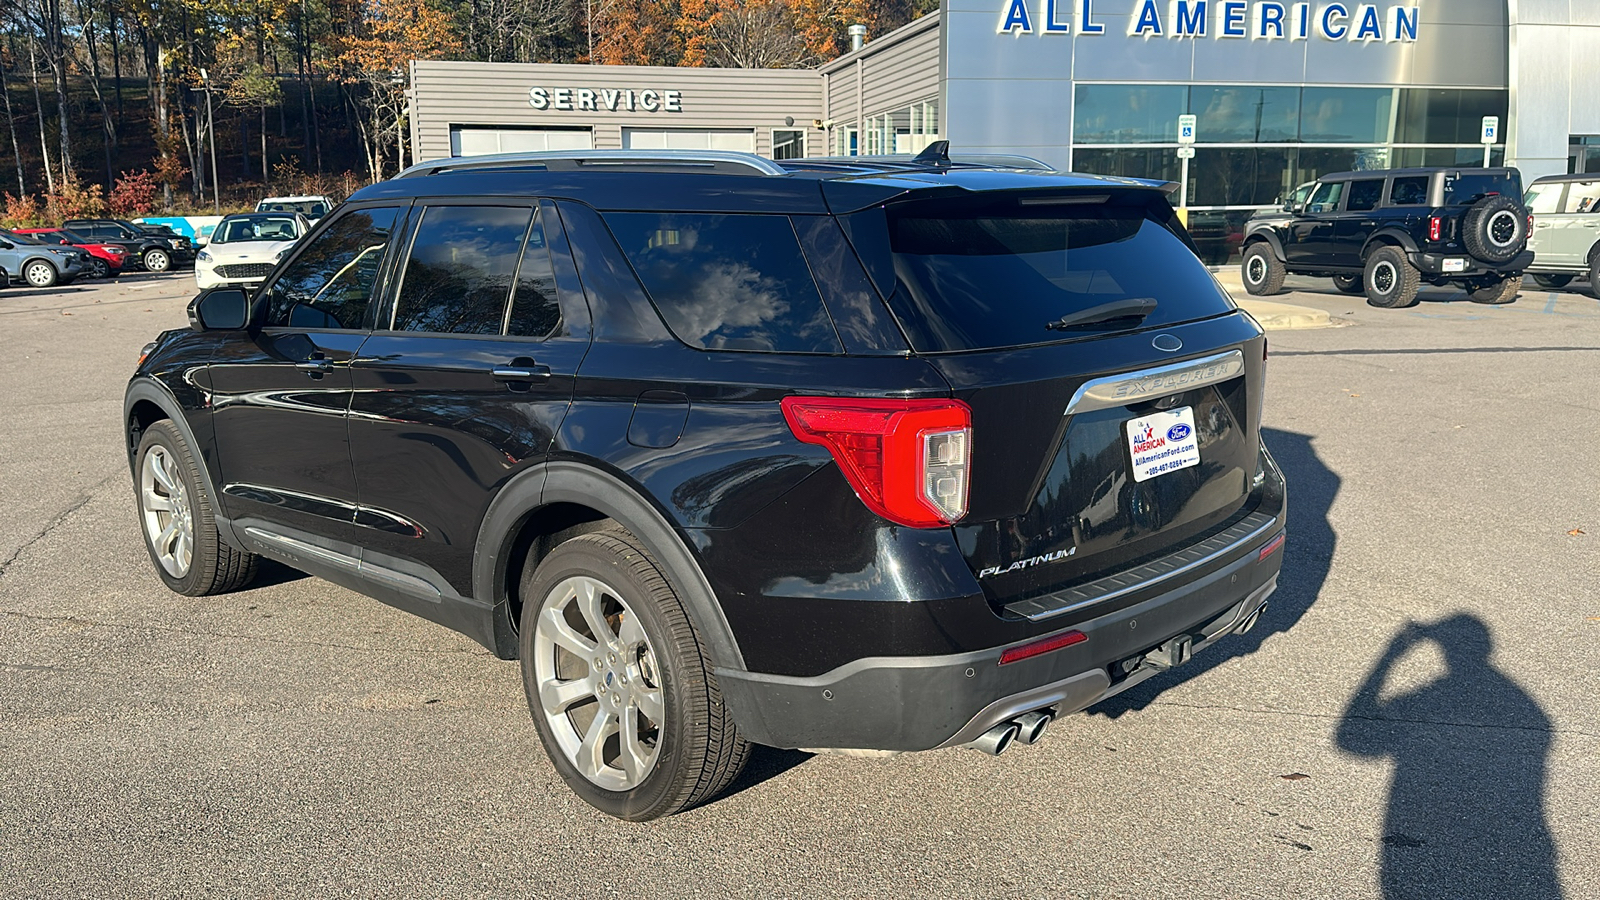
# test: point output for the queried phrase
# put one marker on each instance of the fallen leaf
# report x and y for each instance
(65, 313)
(1294, 776)
(1594, 618)
(1577, 531)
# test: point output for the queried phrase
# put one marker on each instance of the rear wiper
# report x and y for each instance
(1127, 308)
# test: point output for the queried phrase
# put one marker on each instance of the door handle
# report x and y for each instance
(316, 366)
(521, 369)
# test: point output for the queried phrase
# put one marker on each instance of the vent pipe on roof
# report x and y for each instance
(858, 36)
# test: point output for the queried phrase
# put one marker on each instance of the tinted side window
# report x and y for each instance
(728, 282)
(1364, 194)
(330, 284)
(1326, 199)
(1465, 188)
(1409, 191)
(458, 277)
(535, 309)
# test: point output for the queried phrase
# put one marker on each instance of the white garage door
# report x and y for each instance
(688, 139)
(478, 141)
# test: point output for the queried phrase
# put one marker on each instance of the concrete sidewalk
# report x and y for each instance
(1272, 315)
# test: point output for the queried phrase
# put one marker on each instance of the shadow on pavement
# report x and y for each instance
(1466, 806)
(1307, 559)
(765, 764)
(273, 572)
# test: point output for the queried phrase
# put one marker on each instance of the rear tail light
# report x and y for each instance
(908, 460)
(1272, 545)
(1043, 645)
(1435, 228)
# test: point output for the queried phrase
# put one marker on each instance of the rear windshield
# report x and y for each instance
(985, 274)
(1465, 188)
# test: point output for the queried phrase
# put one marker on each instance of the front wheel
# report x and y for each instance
(1553, 282)
(1349, 284)
(179, 522)
(39, 274)
(1391, 281)
(98, 268)
(1498, 292)
(157, 260)
(1261, 270)
(619, 687)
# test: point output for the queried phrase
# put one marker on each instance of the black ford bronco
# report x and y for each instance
(865, 454)
(1383, 233)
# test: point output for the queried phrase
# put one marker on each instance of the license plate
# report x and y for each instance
(1455, 265)
(1163, 442)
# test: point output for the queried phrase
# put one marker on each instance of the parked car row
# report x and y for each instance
(1384, 233)
(88, 248)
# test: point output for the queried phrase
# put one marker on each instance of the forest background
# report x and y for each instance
(110, 106)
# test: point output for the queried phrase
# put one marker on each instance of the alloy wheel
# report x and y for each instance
(1383, 277)
(599, 683)
(1502, 228)
(1256, 270)
(40, 274)
(168, 520)
(156, 261)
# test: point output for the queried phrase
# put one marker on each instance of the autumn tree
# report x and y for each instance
(751, 34)
(636, 32)
(377, 59)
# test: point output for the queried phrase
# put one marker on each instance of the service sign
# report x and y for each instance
(565, 99)
(1281, 20)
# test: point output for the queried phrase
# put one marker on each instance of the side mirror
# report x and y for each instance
(7, 245)
(219, 309)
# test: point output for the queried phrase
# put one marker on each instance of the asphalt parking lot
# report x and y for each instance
(1415, 716)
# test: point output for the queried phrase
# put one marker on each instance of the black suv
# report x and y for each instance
(154, 251)
(881, 455)
(1384, 232)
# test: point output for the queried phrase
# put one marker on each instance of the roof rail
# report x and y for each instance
(725, 162)
(907, 161)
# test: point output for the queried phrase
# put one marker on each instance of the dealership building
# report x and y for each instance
(1281, 91)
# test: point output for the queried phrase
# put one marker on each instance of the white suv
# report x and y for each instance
(310, 206)
(1566, 230)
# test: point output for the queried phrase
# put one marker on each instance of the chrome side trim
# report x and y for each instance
(1038, 609)
(400, 581)
(321, 554)
(1131, 387)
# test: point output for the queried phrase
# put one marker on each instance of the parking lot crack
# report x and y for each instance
(197, 632)
(54, 523)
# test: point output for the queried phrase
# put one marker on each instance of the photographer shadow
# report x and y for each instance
(1308, 556)
(1466, 806)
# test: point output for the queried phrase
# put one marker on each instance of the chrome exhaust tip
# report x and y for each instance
(995, 741)
(1250, 621)
(1031, 726)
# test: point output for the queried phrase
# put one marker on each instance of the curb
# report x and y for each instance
(1274, 316)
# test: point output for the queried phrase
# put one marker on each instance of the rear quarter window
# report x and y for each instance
(978, 274)
(727, 282)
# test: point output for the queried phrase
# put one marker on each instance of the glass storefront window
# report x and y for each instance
(1466, 157)
(1236, 115)
(1128, 113)
(1428, 116)
(1238, 177)
(1158, 165)
(1345, 115)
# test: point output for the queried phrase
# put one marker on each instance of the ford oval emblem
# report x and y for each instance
(1167, 343)
(1178, 432)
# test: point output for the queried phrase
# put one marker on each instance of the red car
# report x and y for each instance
(105, 261)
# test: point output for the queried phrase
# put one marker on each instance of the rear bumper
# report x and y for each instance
(1435, 264)
(921, 703)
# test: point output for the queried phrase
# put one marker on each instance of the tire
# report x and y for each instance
(1391, 281)
(654, 675)
(1553, 282)
(156, 260)
(173, 498)
(1594, 272)
(1350, 284)
(99, 268)
(1495, 229)
(1261, 270)
(1498, 293)
(39, 274)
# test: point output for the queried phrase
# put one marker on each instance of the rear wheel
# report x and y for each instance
(1594, 271)
(620, 689)
(39, 274)
(179, 521)
(1497, 292)
(1391, 281)
(157, 260)
(1261, 270)
(1552, 281)
(1349, 284)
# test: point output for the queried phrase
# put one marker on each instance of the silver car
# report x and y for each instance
(1566, 229)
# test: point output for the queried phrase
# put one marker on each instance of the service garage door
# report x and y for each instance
(471, 141)
(689, 139)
